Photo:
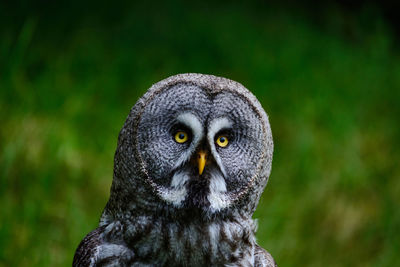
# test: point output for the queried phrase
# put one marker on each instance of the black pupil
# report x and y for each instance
(222, 139)
(181, 136)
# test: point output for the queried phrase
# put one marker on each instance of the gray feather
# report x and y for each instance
(161, 211)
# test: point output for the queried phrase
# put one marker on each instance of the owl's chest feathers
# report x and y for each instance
(192, 244)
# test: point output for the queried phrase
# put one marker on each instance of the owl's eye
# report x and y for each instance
(181, 137)
(222, 141)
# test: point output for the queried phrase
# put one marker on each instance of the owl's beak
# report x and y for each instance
(201, 159)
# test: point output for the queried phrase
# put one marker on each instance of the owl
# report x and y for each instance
(192, 160)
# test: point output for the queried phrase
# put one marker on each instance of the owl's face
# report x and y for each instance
(200, 149)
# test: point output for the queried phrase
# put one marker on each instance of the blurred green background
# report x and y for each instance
(328, 76)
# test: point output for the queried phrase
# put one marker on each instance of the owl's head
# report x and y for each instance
(195, 142)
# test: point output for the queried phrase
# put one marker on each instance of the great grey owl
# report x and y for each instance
(192, 160)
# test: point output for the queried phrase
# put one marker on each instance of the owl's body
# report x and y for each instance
(161, 243)
(191, 163)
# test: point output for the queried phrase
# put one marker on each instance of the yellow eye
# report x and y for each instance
(181, 137)
(222, 141)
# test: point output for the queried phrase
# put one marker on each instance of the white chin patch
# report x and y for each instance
(177, 193)
(218, 197)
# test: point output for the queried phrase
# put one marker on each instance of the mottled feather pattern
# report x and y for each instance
(161, 211)
(86, 251)
(158, 243)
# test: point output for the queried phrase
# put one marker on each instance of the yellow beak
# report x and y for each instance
(201, 159)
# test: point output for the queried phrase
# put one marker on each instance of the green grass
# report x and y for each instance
(68, 78)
